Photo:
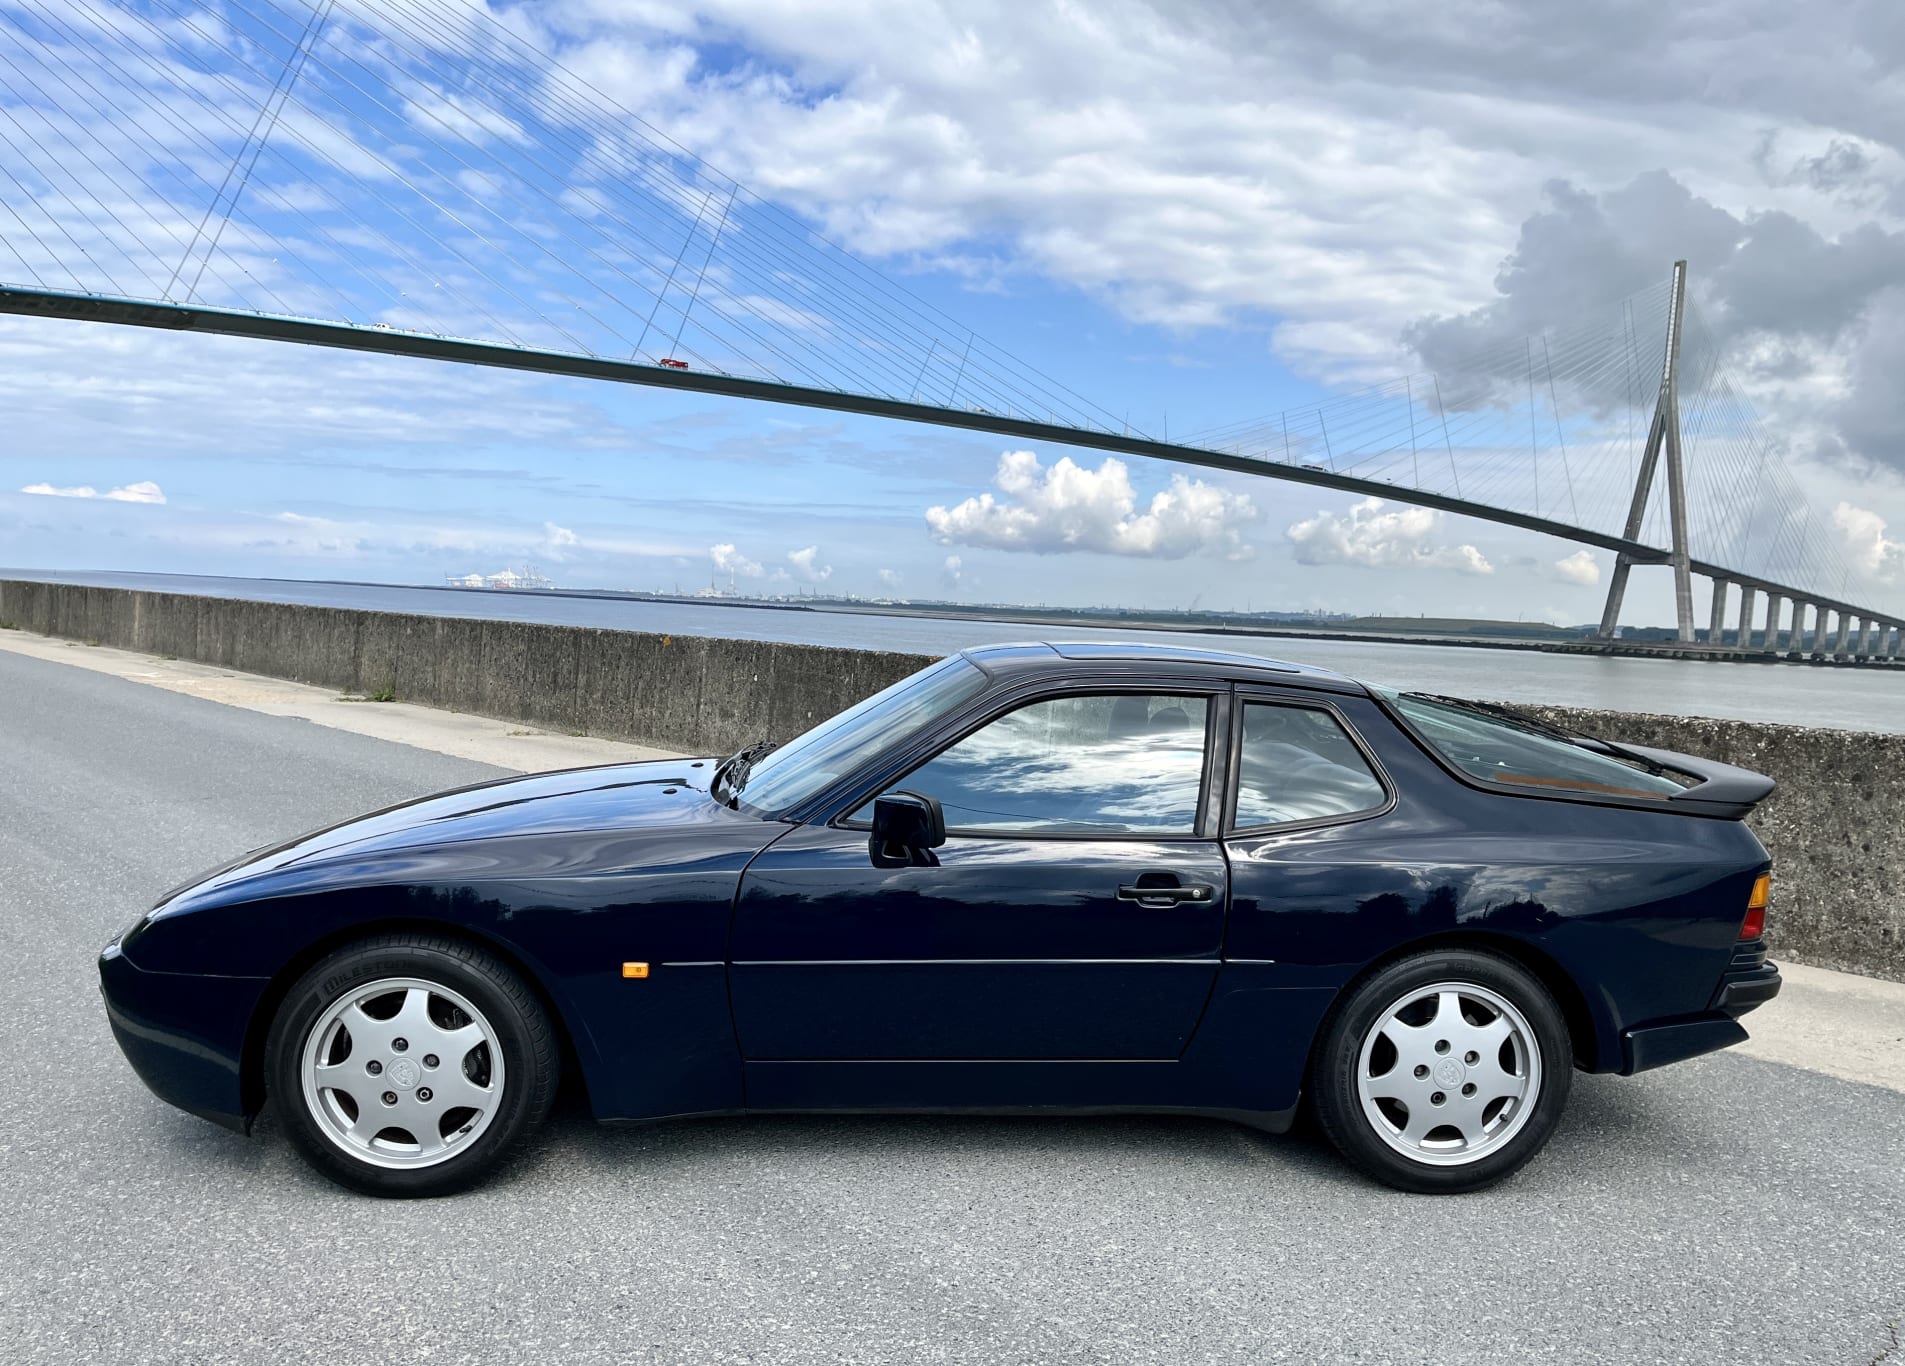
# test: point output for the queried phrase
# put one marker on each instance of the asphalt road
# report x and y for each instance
(1730, 1209)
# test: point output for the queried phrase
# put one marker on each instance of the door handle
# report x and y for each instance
(1170, 895)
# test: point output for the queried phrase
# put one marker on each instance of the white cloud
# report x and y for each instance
(890, 579)
(559, 541)
(377, 539)
(437, 113)
(1581, 567)
(1367, 535)
(953, 571)
(1341, 168)
(1873, 554)
(805, 566)
(1069, 507)
(728, 560)
(145, 491)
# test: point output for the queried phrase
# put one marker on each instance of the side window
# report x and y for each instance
(1297, 764)
(1099, 764)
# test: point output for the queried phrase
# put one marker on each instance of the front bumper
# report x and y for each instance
(184, 1034)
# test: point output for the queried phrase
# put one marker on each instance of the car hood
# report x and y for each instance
(620, 797)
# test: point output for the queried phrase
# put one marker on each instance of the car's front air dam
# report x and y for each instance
(184, 1034)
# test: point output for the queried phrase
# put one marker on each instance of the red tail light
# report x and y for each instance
(1754, 925)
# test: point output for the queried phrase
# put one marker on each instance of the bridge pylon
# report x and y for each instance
(1663, 435)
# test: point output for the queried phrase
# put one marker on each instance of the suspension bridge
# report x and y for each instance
(420, 178)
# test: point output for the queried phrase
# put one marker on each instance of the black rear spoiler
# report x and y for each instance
(1722, 789)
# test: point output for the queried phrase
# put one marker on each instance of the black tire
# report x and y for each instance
(1338, 1101)
(509, 1018)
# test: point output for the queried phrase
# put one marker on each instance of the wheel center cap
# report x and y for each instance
(403, 1073)
(1448, 1073)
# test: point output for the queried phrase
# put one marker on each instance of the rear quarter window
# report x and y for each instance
(1297, 764)
(1501, 754)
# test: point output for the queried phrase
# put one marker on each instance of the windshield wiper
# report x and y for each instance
(735, 768)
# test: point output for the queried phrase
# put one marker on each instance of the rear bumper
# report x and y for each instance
(1750, 980)
(183, 1034)
(1738, 995)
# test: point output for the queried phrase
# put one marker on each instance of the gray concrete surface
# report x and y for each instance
(1836, 828)
(1833, 1022)
(1732, 1209)
(676, 692)
(483, 739)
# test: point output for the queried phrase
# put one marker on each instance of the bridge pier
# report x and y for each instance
(1748, 594)
(1898, 642)
(1716, 618)
(1775, 609)
(1817, 640)
(1839, 641)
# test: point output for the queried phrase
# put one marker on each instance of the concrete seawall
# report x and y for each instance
(1836, 827)
(679, 692)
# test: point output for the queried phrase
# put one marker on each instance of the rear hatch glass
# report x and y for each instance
(1507, 750)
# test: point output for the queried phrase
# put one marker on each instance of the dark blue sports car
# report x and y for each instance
(1030, 878)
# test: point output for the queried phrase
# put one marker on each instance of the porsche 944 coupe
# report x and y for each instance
(1029, 878)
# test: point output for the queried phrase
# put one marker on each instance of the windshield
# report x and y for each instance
(1520, 753)
(801, 767)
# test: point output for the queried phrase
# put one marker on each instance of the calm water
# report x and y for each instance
(1851, 699)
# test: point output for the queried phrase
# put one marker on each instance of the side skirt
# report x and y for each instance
(1267, 1121)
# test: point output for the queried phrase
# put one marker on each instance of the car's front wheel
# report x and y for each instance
(410, 1065)
(1443, 1072)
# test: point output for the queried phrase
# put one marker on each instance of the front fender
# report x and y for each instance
(567, 909)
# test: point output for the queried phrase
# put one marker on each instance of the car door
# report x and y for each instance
(1075, 911)
(1315, 873)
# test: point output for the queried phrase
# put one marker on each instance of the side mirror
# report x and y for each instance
(907, 827)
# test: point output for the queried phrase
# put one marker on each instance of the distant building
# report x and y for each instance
(527, 577)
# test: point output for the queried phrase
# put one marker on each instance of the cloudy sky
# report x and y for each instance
(1189, 215)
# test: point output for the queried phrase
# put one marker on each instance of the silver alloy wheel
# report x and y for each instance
(1449, 1073)
(402, 1073)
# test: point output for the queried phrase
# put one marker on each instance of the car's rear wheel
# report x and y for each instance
(410, 1065)
(1443, 1072)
